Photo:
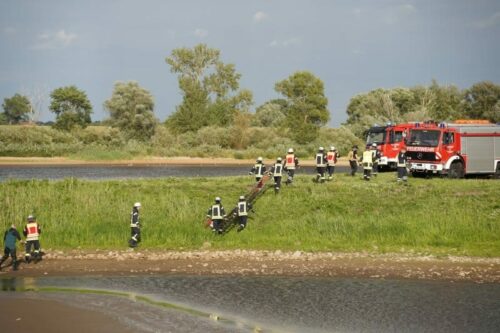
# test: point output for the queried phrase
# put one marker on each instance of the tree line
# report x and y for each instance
(433, 102)
(212, 98)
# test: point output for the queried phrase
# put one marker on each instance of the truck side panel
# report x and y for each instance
(480, 151)
(481, 144)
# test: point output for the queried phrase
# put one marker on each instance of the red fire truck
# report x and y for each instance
(456, 150)
(389, 139)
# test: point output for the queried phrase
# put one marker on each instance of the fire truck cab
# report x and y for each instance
(455, 150)
(389, 139)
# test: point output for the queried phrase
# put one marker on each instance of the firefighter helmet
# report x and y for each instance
(259, 159)
(217, 199)
(242, 197)
(332, 148)
(374, 145)
(278, 159)
(290, 150)
(137, 205)
(31, 218)
(321, 149)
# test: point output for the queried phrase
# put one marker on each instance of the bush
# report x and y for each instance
(212, 135)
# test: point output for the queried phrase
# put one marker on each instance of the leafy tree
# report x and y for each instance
(239, 130)
(131, 109)
(209, 88)
(71, 106)
(403, 104)
(269, 114)
(446, 102)
(482, 101)
(16, 109)
(306, 110)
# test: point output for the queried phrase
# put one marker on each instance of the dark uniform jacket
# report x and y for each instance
(10, 238)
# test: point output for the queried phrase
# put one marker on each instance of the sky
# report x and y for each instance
(352, 46)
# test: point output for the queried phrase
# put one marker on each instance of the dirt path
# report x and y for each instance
(241, 262)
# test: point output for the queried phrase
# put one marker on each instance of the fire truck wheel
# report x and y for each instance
(456, 170)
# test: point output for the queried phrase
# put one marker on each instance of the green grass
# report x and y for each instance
(437, 216)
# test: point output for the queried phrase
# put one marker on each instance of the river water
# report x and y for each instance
(102, 172)
(283, 304)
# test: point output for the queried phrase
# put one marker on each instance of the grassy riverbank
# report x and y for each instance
(436, 216)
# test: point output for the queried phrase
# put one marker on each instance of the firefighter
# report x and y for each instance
(320, 165)
(291, 164)
(9, 238)
(32, 232)
(353, 159)
(277, 171)
(258, 169)
(242, 212)
(331, 158)
(217, 214)
(376, 159)
(402, 172)
(367, 161)
(135, 227)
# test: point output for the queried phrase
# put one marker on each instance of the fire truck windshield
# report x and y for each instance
(421, 137)
(376, 135)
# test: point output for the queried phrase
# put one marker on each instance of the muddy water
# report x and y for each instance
(280, 304)
(127, 172)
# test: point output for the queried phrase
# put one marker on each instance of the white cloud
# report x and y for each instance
(394, 14)
(201, 33)
(260, 16)
(407, 8)
(294, 41)
(56, 40)
(490, 21)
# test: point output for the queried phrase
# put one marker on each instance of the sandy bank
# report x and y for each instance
(152, 161)
(20, 314)
(248, 262)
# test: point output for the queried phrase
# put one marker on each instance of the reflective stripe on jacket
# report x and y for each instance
(242, 208)
(368, 159)
(259, 169)
(278, 170)
(134, 219)
(401, 160)
(331, 157)
(290, 161)
(216, 212)
(320, 160)
(32, 231)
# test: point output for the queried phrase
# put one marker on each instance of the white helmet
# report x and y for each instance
(137, 205)
(217, 199)
(332, 148)
(242, 197)
(259, 159)
(278, 159)
(374, 145)
(321, 148)
(290, 150)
